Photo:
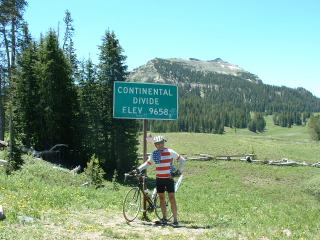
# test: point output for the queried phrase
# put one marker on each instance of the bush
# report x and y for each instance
(114, 181)
(14, 159)
(314, 127)
(312, 186)
(94, 172)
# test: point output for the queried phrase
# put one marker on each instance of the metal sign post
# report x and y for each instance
(145, 157)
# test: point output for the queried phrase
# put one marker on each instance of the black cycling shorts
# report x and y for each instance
(165, 184)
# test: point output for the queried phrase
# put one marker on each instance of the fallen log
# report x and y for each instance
(206, 155)
(73, 171)
(199, 158)
(3, 162)
(85, 184)
(76, 170)
(287, 162)
(3, 143)
(282, 162)
(316, 164)
(254, 161)
(236, 156)
(226, 158)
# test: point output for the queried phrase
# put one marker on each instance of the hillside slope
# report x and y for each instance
(213, 94)
(223, 82)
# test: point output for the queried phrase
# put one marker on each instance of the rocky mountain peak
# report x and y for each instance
(152, 70)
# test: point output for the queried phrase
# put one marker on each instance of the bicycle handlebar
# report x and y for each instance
(133, 174)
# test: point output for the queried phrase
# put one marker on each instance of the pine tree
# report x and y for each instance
(58, 95)
(26, 95)
(2, 105)
(257, 123)
(252, 126)
(90, 97)
(261, 123)
(68, 45)
(120, 135)
(10, 20)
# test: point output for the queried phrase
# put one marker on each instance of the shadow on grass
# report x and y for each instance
(193, 225)
(182, 224)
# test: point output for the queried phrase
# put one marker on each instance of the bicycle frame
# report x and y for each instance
(152, 200)
(142, 187)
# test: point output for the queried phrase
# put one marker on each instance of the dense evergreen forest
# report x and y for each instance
(49, 97)
(209, 101)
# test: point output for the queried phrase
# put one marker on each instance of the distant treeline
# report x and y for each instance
(287, 119)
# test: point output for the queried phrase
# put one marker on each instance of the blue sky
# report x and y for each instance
(277, 40)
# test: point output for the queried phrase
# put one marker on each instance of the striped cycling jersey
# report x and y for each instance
(163, 159)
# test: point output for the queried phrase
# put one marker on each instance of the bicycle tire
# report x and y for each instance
(131, 204)
(157, 208)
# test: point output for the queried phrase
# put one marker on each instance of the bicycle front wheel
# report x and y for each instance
(132, 204)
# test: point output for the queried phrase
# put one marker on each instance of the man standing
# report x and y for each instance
(163, 158)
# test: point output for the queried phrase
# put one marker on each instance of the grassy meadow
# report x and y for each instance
(273, 144)
(217, 200)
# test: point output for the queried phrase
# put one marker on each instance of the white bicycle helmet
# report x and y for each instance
(159, 139)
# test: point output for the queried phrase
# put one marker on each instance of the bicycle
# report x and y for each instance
(132, 201)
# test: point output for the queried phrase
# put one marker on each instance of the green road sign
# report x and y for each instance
(145, 101)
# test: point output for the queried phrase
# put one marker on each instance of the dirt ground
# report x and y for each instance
(100, 225)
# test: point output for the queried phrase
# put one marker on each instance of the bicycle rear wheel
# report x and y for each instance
(157, 209)
(132, 204)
